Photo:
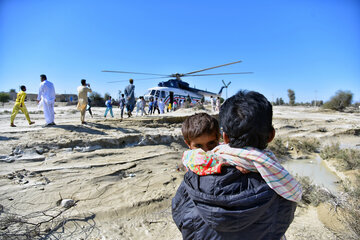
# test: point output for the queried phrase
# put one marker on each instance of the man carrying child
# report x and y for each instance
(238, 190)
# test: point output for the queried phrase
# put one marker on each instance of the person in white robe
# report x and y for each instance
(161, 106)
(46, 97)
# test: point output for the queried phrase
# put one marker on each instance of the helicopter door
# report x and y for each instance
(171, 97)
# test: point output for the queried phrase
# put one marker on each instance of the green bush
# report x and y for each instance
(349, 158)
(4, 97)
(340, 101)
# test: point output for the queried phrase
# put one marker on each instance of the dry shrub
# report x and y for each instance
(348, 159)
(278, 147)
(314, 194)
(351, 207)
(304, 145)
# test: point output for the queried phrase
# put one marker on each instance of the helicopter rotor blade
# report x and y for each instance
(155, 74)
(141, 79)
(212, 74)
(205, 69)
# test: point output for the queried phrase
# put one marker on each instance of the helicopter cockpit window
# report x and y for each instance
(157, 93)
(152, 92)
(163, 94)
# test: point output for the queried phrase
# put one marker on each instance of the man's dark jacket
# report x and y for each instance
(230, 205)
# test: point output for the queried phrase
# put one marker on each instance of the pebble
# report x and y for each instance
(67, 203)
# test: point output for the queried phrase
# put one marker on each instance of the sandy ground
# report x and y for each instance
(123, 174)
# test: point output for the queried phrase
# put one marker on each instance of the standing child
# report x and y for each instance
(143, 105)
(20, 106)
(138, 106)
(230, 204)
(108, 105)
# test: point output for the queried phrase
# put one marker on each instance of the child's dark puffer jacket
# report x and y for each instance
(229, 206)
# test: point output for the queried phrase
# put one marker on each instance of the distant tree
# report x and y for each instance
(340, 101)
(4, 97)
(106, 96)
(12, 90)
(96, 99)
(291, 95)
(317, 103)
(281, 101)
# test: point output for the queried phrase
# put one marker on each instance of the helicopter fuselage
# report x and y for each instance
(169, 94)
(175, 89)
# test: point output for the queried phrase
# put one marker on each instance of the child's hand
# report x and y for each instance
(242, 170)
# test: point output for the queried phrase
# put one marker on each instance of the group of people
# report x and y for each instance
(231, 190)
(46, 98)
(215, 104)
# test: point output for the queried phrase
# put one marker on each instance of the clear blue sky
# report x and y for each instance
(310, 46)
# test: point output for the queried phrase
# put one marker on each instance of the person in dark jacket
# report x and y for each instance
(233, 205)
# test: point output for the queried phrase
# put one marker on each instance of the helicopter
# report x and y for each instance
(177, 89)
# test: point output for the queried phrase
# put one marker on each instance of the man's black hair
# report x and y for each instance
(246, 118)
(83, 82)
(22, 87)
(43, 76)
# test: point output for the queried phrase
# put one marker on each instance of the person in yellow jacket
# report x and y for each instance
(20, 105)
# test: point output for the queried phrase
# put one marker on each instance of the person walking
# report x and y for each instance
(108, 104)
(122, 104)
(83, 99)
(20, 106)
(46, 97)
(130, 97)
(88, 108)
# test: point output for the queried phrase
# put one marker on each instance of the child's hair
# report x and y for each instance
(246, 118)
(22, 87)
(199, 124)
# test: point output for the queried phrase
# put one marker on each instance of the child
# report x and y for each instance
(108, 104)
(20, 106)
(248, 129)
(143, 105)
(138, 106)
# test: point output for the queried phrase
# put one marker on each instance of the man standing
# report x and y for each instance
(20, 105)
(130, 97)
(122, 105)
(83, 99)
(47, 98)
(212, 101)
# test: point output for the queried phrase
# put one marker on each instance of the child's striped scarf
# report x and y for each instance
(252, 159)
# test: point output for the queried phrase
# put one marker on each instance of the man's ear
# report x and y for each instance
(226, 138)
(272, 135)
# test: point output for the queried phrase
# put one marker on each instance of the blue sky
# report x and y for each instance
(311, 47)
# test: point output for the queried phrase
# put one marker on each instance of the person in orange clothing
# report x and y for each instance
(20, 105)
